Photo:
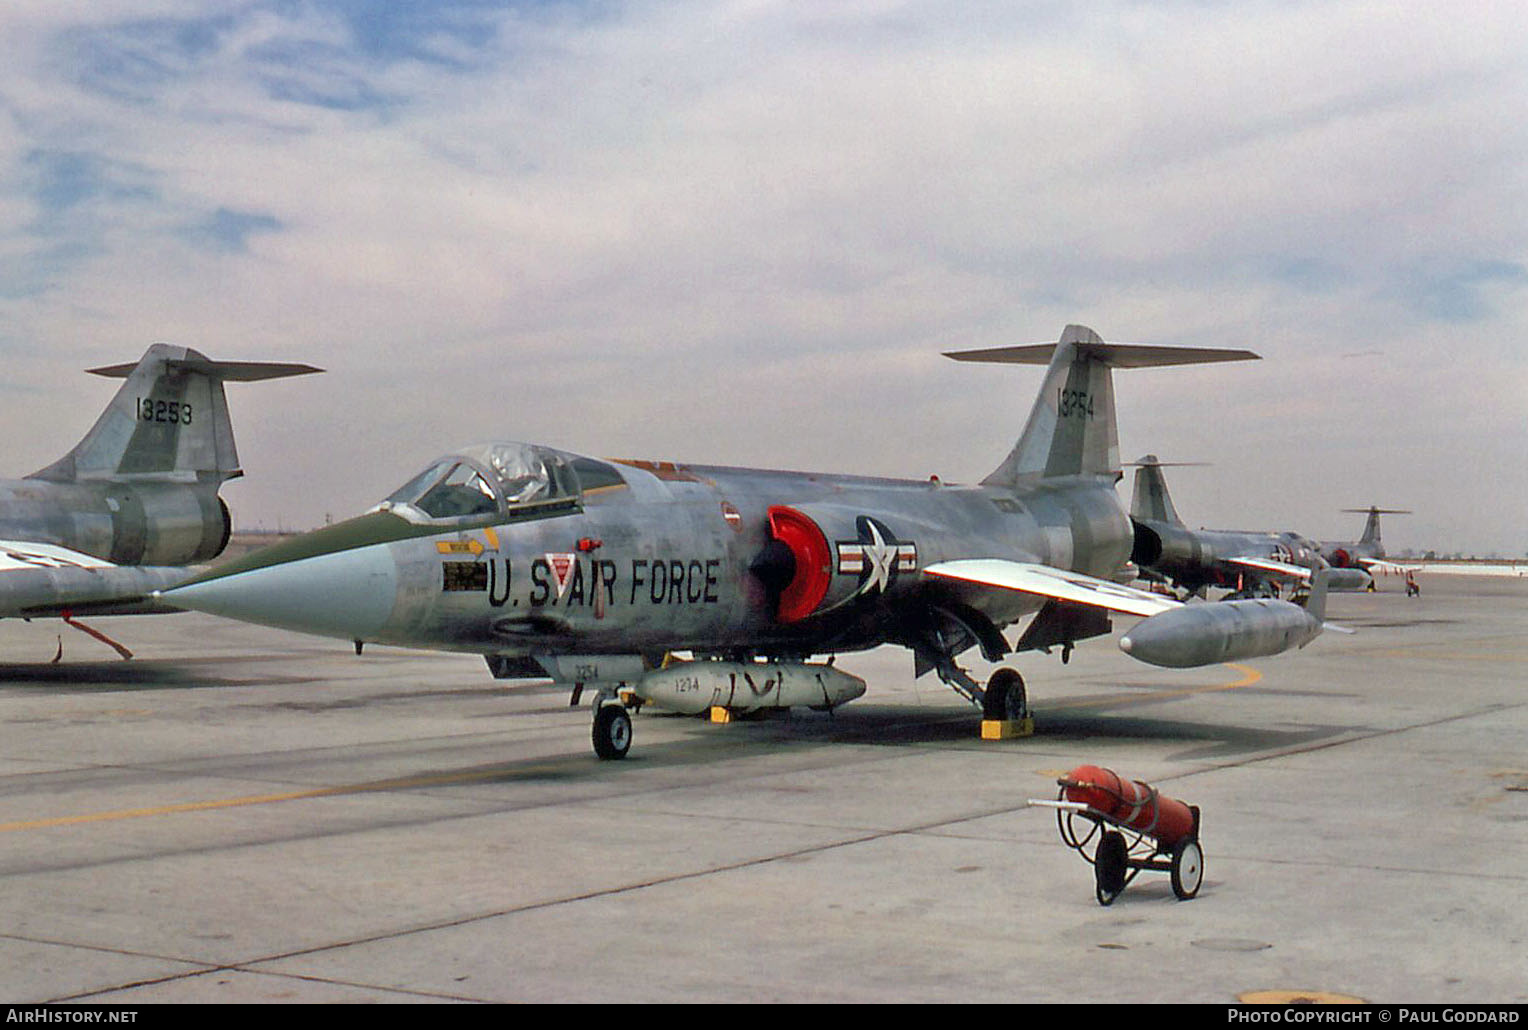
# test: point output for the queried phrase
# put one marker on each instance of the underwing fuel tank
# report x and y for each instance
(695, 687)
(1350, 580)
(1220, 631)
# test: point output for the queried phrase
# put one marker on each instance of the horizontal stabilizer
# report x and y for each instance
(228, 371)
(1115, 355)
(1150, 462)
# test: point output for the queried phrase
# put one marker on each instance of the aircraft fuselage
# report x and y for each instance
(124, 522)
(679, 558)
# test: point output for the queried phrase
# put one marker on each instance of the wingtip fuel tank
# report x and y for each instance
(1220, 631)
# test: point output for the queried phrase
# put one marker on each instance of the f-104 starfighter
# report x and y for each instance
(602, 573)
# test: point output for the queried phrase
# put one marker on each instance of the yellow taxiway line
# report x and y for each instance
(255, 799)
(1249, 677)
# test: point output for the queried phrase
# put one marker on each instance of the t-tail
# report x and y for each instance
(168, 423)
(1071, 429)
(1150, 500)
(1371, 525)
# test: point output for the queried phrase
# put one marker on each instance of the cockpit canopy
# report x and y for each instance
(494, 479)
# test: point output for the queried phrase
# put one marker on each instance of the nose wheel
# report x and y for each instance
(612, 731)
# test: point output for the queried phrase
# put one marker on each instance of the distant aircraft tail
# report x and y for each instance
(1150, 499)
(1071, 429)
(169, 421)
(1371, 524)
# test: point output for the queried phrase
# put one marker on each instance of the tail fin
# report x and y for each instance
(1150, 499)
(169, 421)
(1071, 429)
(1315, 604)
(1371, 524)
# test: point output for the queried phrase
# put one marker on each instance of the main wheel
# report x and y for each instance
(1005, 698)
(1109, 865)
(612, 731)
(1187, 868)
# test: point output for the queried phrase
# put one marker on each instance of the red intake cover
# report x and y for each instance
(814, 562)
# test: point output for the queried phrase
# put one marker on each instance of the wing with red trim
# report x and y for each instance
(1046, 581)
(1278, 568)
(39, 579)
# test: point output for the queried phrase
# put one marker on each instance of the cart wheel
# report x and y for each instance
(1187, 868)
(1109, 864)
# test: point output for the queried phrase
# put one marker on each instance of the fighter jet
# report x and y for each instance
(1249, 564)
(702, 587)
(117, 518)
(1367, 551)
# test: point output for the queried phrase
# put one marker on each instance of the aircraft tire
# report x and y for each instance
(1005, 697)
(612, 732)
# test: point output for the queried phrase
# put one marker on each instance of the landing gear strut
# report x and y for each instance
(1004, 701)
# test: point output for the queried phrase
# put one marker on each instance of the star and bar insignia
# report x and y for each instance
(877, 557)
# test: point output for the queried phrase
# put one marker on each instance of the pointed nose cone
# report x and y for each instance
(347, 594)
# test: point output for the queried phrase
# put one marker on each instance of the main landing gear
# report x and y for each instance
(1004, 701)
(948, 630)
(1004, 698)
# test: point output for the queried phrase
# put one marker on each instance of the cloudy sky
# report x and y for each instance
(742, 231)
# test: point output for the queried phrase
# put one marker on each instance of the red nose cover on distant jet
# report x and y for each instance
(814, 562)
(1130, 803)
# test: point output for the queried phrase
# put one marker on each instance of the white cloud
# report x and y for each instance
(678, 231)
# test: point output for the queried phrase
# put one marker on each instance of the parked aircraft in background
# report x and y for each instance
(117, 517)
(601, 574)
(1249, 564)
(1367, 551)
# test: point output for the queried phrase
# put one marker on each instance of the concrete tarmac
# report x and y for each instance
(239, 814)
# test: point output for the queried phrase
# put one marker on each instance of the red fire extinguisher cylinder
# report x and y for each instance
(1130, 803)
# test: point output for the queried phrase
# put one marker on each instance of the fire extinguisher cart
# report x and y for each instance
(1130, 827)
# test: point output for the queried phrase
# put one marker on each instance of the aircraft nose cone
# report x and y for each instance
(347, 594)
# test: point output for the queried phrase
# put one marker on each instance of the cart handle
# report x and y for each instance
(1066, 806)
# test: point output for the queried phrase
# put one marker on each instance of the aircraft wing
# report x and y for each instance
(1046, 581)
(1389, 567)
(1278, 568)
(39, 579)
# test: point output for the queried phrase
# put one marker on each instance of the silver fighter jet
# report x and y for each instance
(118, 517)
(701, 587)
(1248, 563)
(1367, 551)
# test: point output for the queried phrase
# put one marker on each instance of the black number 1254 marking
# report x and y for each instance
(173, 412)
(1074, 403)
